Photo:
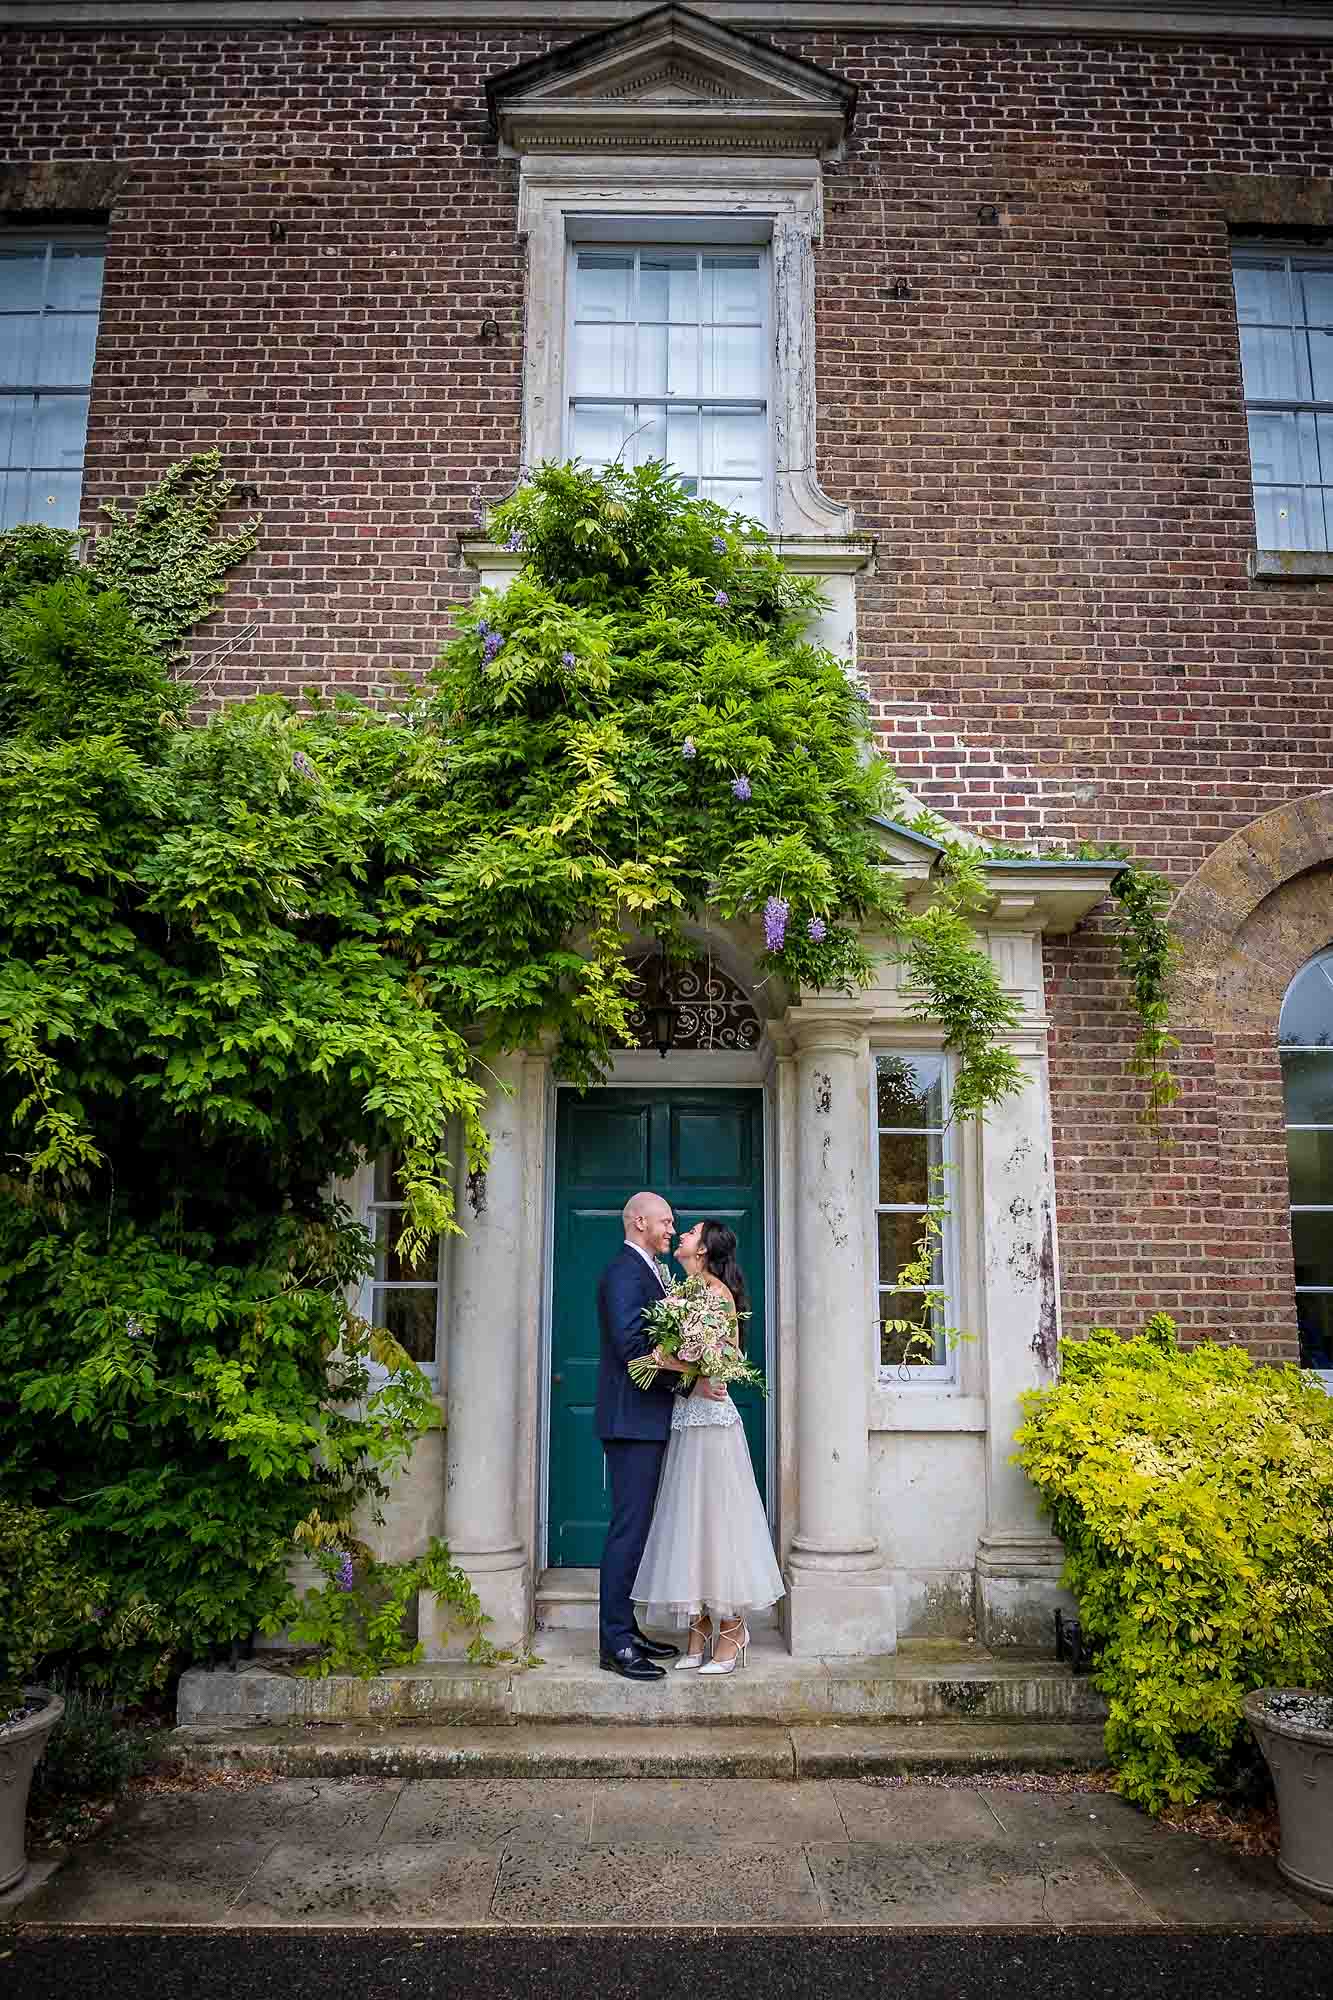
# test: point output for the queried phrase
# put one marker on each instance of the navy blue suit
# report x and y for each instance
(634, 1425)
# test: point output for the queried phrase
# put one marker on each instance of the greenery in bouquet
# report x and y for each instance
(695, 1325)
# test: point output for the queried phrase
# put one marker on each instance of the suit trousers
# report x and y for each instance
(634, 1466)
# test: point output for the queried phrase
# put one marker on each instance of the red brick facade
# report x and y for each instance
(1046, 439)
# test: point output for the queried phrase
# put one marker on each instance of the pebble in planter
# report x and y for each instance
(24, 1728)
(1294, 1729)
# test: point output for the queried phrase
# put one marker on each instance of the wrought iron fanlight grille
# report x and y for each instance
(708, 1008)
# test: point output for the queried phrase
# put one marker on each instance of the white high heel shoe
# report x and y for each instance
(693, 1663)
(741, 1641)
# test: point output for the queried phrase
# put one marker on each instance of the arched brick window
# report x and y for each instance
(1305, 1035)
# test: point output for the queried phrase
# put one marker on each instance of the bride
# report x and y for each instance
(708, 1554)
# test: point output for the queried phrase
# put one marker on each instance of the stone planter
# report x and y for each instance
(20, 1747)
(1294, 1729)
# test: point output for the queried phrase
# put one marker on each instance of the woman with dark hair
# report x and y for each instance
(709, 1554)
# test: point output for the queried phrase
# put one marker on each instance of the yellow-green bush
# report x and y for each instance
(1193, 1490)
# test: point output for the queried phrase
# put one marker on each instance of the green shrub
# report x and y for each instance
(92, 1752)
(1193, 1490)
(47, 1598)
(357, 1618)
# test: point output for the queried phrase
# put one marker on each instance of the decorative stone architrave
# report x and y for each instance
(670, 81)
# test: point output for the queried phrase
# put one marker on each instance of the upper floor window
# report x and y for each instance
(668, 360)
(1284, 304)
(911, 1154)
(1306, 1038)
(50, 292)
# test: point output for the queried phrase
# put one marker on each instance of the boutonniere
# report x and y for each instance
(663, 1273)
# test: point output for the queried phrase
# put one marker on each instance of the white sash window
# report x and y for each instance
(50, 295)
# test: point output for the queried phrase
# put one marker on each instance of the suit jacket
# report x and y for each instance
(627, 1286)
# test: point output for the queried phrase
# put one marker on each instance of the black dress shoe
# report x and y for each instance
(631, 1665)
(656, 1649)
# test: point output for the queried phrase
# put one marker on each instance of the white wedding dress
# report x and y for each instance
(708, 1548)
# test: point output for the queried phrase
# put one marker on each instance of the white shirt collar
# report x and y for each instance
(649, 1261)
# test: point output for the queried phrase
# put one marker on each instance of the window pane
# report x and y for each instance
(13, 499)
(1314, 287)
(733, 444)
(600, 433)
(53, 498)
(1283, 447)
(1308, 1085)
(669, 288)
(20, 340)
(16, 414)
(734, 361)
(1310, 1163)
(75, 280)
(22, 273)
(668, 361)
(904, 1167)
(603, 286)
(738, 496)
(410, 1318)
(59, 431)
(1263, 292)
(1307, 1011)
(924, 1350)
(602, 365)
(899, 1236)
(682, 442)
(1274, 366)
(388, 1185)
(1321, 366)
(732, 292)
(1314, 1317)
(910, 1090)
(1288, 517)
(392, 1269)
(1312, 1246)
(66, 352)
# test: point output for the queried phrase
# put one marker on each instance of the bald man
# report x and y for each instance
(634, 1425)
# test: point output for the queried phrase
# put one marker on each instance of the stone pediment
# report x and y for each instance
(670, 81)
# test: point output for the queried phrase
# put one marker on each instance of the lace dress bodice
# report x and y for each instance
(694, 1411)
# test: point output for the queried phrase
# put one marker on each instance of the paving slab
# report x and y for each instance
(1186, 1881)
(404, 1882)
(713, 1813)
(129, 1880)
(894, 1814)
(493, 1812)
(632, 1885)
(1100, 1817)
(937, 1885)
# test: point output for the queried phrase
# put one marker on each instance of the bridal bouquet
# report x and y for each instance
(694, 1324)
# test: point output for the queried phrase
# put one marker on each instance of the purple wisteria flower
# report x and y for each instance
(515, 542)
(740, 788)
(569, 659)
(478, 506)
(816, 930)
(133, 1328)
(689, 749)
(494, 641)
(776, 912)
(98, 1615)
(719, 546)
(721, 599)
(302, 766)
(345, 1579)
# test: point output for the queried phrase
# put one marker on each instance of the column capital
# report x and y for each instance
(831, 1034)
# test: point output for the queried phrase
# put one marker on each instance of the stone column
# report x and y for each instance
(840, 1600)
(481, 1443)
(1018, 1558)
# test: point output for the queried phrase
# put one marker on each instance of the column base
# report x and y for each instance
(503, 1584)
(1018, 1590)
(832, 1614)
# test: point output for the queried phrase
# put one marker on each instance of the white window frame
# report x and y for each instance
(1325, 1375)
(361, 1199)
(51, 240)
(1248, 255)
(929, 1375)
(700, 243)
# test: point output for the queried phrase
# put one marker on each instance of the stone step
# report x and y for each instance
(393, 1750)
(922, 1682)
(567, 1602)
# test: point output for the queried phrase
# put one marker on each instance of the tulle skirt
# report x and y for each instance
(708, 1548)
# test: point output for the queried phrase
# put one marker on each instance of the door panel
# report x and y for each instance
(702, 1150)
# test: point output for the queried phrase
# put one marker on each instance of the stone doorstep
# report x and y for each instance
(833, 1750)
(922, 1682)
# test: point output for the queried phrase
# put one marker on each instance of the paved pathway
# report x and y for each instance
(810, 1855)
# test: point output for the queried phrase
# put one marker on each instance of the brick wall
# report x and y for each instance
(1046, 438)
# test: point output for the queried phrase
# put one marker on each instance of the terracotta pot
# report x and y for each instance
(20, 1747)
(1299, 1753)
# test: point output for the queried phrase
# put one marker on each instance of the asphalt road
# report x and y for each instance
(571, 1965)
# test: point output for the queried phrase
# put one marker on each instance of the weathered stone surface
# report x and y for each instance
(421, 1882)
(1197, 1882)
(989, 1882)
(632, 1885)
(713, 1813)
(493, 1812)
(856, 1751)
(129, 1879)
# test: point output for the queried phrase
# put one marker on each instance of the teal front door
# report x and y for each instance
(701, 1150)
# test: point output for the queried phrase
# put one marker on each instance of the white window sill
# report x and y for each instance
(1289, 565)
(925, 1408)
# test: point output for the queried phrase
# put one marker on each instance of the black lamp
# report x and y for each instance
(660, 1010)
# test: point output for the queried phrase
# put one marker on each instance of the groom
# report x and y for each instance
(633, 1425)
